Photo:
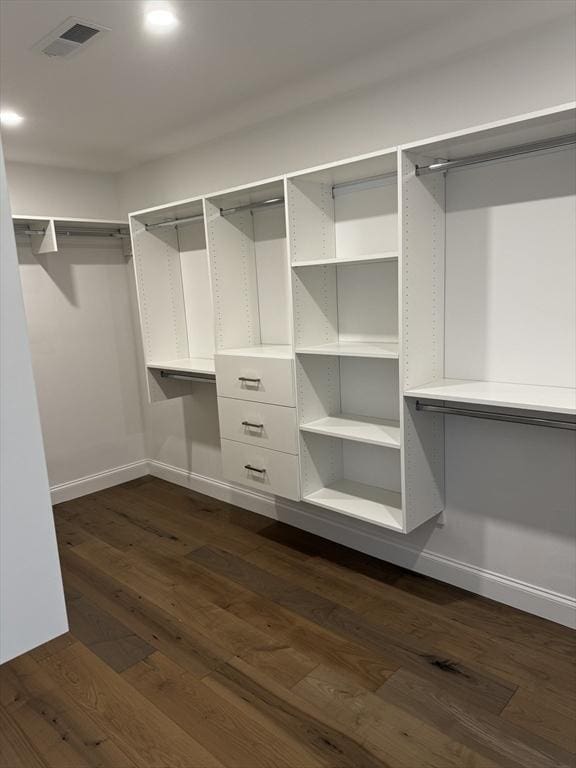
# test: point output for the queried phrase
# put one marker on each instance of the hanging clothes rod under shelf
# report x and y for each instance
(74, 232)
(209, 378)
(517, 418)
(273, 202)
(500, 154)
(366, 183)
(175, 222)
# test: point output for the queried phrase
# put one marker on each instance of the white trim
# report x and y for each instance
(504, 589)
(98, 482)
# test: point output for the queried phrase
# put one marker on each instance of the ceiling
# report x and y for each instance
(131, 96)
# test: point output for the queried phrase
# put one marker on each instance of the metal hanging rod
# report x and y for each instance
(367, 183)
(73, 232)
(184, 376)
(29, 232)
(499, 154)
(519, 419)
(79, 232)
(175, 222)
(273, 202)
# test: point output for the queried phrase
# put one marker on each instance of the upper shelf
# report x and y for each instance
(497, 394)
(382, 349)
(373, 258)
(45, 231)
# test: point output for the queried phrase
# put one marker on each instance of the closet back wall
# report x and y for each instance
(80, 313)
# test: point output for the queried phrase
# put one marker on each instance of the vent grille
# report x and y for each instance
(79, 33)
(69, 38)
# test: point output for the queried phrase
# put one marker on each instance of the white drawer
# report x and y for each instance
(278, 471)
(269, 426)
(261, 379)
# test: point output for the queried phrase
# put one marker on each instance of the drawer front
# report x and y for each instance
(260, 379)
(269, 426)
(278, 471)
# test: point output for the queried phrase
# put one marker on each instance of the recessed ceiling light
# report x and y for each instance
(161, 20)
(10, 118)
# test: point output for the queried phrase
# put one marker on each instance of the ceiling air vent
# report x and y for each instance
(71, 37)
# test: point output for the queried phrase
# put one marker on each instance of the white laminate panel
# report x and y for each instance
(272, 379)
(278, 471)
(262, 424)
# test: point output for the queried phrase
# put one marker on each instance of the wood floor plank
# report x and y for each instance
(179, 641)
(304, 575)
(108, 638)
(398, 649)
(16, 751)
(182, 514)
(62, 734)
(396, 736)
(366, 667)
(488, 733)
(305, 723)
(186, 602)
(224, 729)
(149, 737)
(533, 713)
(111, 522)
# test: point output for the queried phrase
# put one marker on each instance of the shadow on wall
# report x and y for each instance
(72, 252)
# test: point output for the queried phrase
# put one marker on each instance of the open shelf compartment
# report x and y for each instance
(174, 296)
(353, 479)
(246, 229)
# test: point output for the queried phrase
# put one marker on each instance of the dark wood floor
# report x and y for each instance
(203, 635)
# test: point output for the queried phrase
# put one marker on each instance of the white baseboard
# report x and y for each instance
(98, 482)
(527, 597)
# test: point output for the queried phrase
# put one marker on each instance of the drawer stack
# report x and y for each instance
(258, 427)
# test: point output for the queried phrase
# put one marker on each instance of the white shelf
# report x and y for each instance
(281, 351)
(503, 395)
(186, 365)
(364, 502)
(373, 258)
(383, 349)
(358, 428)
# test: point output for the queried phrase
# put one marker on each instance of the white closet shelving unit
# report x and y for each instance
(246, 233)
(344, 251)
(44, 232)
(174, 297)
(348, 299)
(503, 334)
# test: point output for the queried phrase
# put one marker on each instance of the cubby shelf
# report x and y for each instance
(185, 365)
(281, 351)
(357, 428)
(373, 258)
(499, 394)
(364, 502)
(383, 349)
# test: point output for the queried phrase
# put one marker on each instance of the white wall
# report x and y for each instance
(522, 74)
(85, 356)
(80, 310)
(41, 190)
(32, 607)
(519, 548)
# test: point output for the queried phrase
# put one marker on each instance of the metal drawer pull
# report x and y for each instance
(254, 469)
(254, 426)
(252, 381)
